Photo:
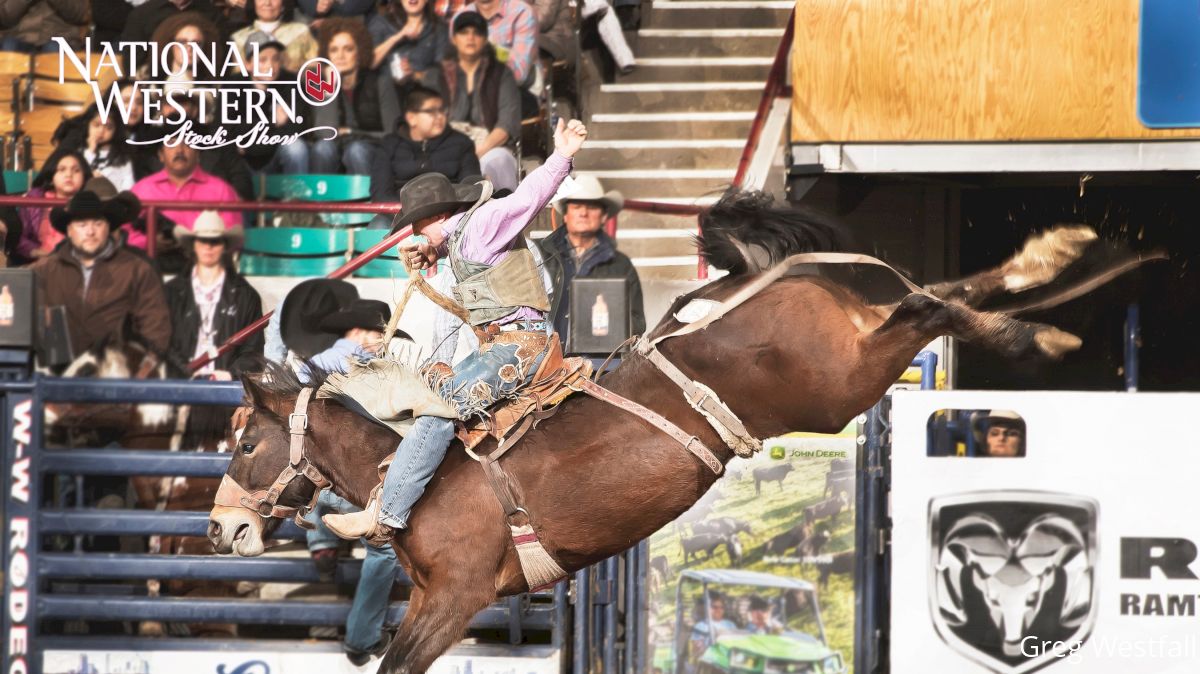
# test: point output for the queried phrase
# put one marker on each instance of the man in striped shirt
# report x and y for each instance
(513, 28)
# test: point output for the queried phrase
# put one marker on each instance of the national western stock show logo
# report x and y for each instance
(1012, 576)
(177, 78)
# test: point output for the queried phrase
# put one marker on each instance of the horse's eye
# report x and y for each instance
(247, 448)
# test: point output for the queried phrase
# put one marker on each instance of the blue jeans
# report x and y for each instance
(422, 450)
(364, 625)
(326, 156)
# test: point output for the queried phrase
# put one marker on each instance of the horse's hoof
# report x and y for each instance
(1056, 343)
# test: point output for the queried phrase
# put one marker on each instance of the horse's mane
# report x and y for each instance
(281, 380)
(747, 231)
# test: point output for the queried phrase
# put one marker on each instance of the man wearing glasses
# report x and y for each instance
(424, 143)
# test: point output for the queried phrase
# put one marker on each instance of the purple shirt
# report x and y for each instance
(495, 226)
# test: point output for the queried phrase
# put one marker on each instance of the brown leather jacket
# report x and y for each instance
(124, 285)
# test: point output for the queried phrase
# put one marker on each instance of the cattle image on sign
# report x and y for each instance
(1009, 565)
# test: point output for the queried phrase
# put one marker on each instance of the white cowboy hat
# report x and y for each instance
(209, 225)
(980, 422)
(588, 188)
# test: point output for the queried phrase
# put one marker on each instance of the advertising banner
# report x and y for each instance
(758, 577)
(471, 660)
(1044, 531)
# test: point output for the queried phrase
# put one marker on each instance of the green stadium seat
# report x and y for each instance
(16, 182)
(387, 265)
(293, 251)
(323, 187)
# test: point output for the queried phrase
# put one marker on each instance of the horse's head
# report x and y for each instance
(266, 479)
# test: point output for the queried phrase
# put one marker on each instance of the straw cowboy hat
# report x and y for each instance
(430, 194)
(588, 188)
(88, 205)
(981, 422)
(209, 226)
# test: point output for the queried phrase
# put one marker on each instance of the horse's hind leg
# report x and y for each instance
(443, 613)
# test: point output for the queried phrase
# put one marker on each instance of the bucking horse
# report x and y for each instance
(595, 478)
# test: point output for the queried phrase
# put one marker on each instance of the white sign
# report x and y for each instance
(1079, 556)
(463, 660)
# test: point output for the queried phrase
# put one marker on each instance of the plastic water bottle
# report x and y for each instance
(600, 317)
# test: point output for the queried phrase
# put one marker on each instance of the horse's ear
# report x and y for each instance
(255, 394)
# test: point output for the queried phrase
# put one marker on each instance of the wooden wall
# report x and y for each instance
(966, 70)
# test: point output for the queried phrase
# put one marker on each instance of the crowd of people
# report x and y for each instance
(426, 85)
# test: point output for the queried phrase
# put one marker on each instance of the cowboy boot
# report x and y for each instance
(362, 524)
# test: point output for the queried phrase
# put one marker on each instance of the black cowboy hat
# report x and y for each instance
(365, 314)
(430, 194)
(87, 205)
(304, 309)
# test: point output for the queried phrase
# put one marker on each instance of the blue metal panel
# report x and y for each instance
(112, 566)
(140, 523)
(177, 392)
(134, 462)
(1168, 89)
(249, 611)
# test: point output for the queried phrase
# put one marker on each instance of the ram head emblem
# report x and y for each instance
(994, 585)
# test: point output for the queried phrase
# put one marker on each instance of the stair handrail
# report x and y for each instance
(776, 87)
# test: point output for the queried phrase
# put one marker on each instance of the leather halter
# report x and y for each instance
(265, 501)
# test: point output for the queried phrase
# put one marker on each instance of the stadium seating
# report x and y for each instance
(293, 251)
(318, 187)
(16, 182)
(387, 265)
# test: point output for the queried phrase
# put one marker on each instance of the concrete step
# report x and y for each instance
(678, 96)
(698, 125)
(682, 268)
(718, 14)
(644, 184)
(666, 153)
(652, 42)
(700, 69)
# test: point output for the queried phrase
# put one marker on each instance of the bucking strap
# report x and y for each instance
(691, 443)
(704, 400)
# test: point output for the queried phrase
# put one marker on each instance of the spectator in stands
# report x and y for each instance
(28, 25)
(210, 301)
(102, 144)
(513, 27)
(359, 327)
(318, 11)
(609, 28)
(409, 38)
(581, 249)
(273, 23)
(187, 28)
(367, 107)
(62, 177)
(482, 98)
(291, 158)
(556, 30)
(1000, 432)
(146, 19)
(423, 144)
(102, 284)
(182, 179)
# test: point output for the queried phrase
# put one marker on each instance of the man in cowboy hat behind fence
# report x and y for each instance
(501, 288)
(581, 249)
(101, 283)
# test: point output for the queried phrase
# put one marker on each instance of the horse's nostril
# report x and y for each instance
(214, 529)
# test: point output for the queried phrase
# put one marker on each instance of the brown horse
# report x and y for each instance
(803, 354)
